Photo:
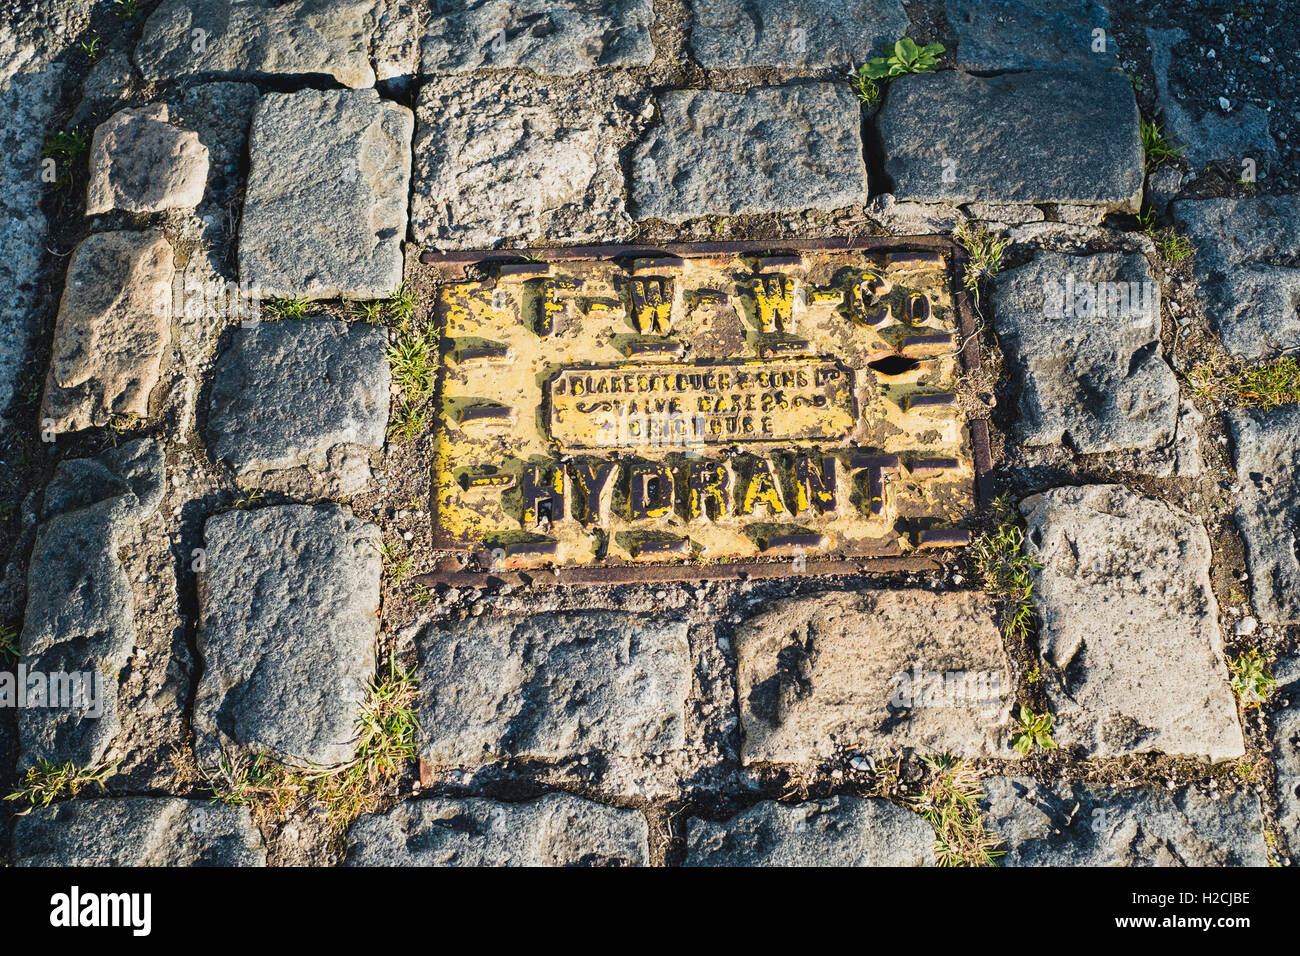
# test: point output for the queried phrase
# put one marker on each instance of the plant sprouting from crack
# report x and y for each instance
(401, 304)
(9, 636)
(66, 144)
(413, 357)
(1156, 147)
(1032, 730)
(397, 565)
(906, 56)
(1263, 386)
(950, 804)
(371, 313)
(1251, 680)
(1007, 571)
(289, 308)
(984, 255)
(386, 738)
(47, 782)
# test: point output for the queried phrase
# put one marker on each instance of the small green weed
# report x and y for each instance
(1034, 729)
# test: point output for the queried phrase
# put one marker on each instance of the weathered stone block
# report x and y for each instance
(325, 206)
(546, 37)
(503, 160)
(138, 831)
(288, 617)
(140, 162)
(1267, 447)
(767, 150)
(998, 35)
(1082, 336)
(1129, 625)
(554, 830)
(1246, 255)
(304, 396)
(113, 326)
(795, 34)
(1077, 825)
(258, 40)
(1045, 136)
(840, 831)
(553, 686)
(873, 670)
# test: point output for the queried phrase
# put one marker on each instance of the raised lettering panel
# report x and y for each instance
(702, 408)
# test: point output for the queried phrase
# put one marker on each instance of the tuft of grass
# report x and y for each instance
(985, 252)
(1156, 147)
(1034, 729)
(126, 9)
(291, 308)
(1171, 245)
(66, 144)
(386, 740)
(398, 565)
(47, 782)
(1251, 681)
(1007, 572)
(413, 356)
(868, 90)
(950, 804)
(9, 635)
(410, 420)
(253, 496)
(91, 49)
(401, 304)
(371, 313)
(1264, 386)
(239, 779)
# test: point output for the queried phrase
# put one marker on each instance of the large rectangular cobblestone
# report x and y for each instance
(767, 150)
(792, 34)
(288, 617)
(839, 831)
(1082, 337)
(554, 830)
(546, 37)
(998, 35)
(505, 160)
(1129, 626)
(1077, 825)
(1247, 252)
(875, 671)
(326, 203)
(1266, 445)
(1044, 136)
(138, 831)
(553, 686)
(259, 39)
(301, 401)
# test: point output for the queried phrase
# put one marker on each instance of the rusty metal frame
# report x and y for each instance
(453, 265)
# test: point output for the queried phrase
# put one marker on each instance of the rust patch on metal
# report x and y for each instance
(624, 413)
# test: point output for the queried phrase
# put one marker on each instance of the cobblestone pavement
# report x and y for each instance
(216, 440)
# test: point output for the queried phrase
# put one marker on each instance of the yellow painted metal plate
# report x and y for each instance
(716, 408)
